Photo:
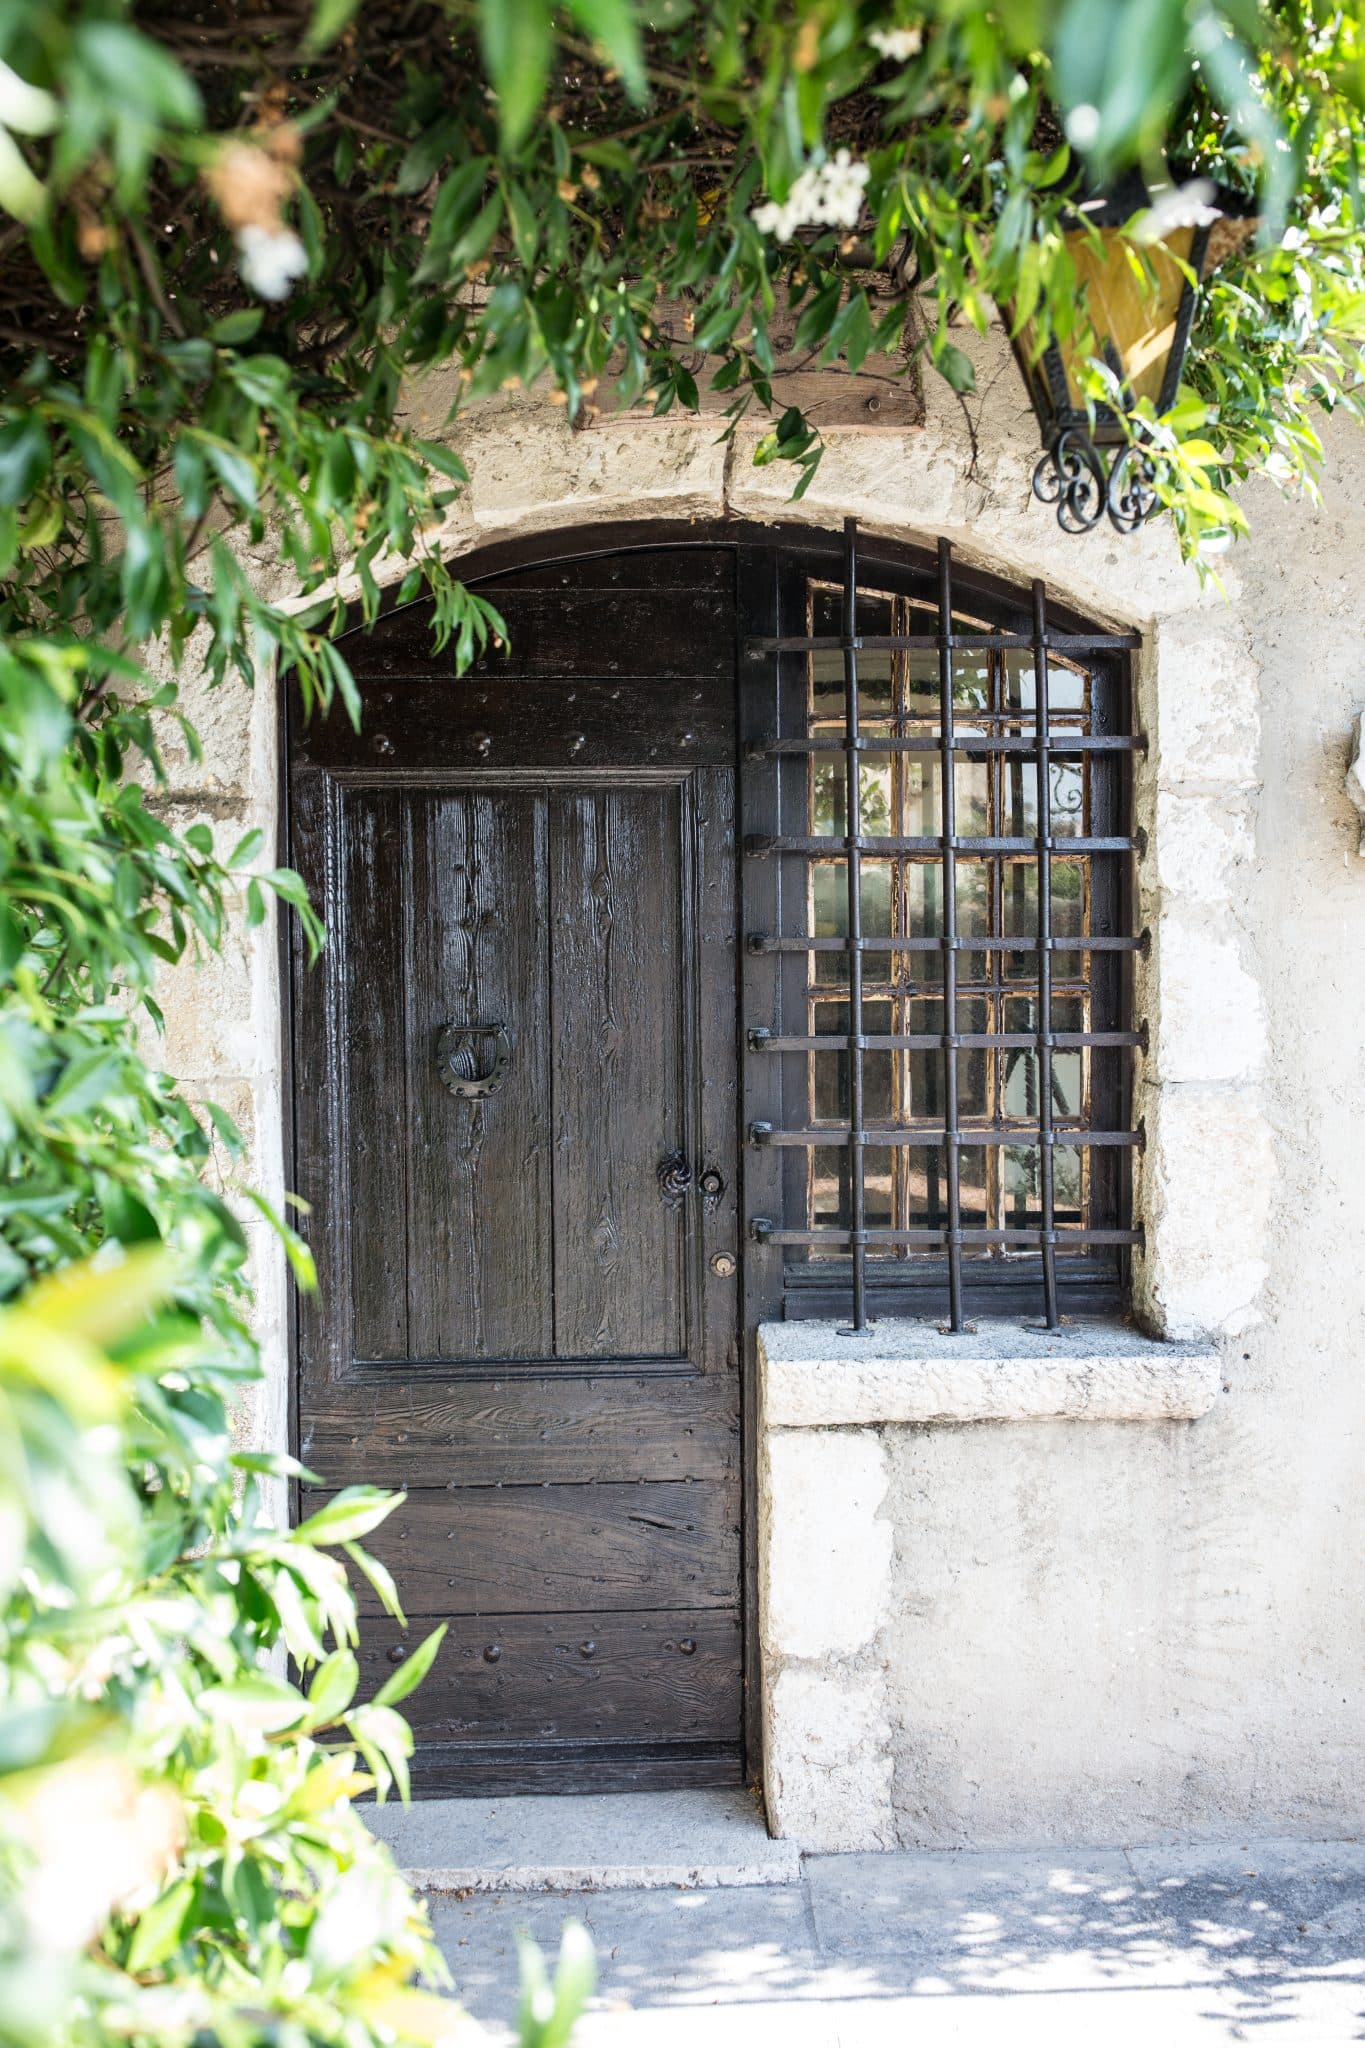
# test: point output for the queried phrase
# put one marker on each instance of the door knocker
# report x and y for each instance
(460, 1058)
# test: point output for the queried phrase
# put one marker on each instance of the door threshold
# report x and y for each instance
(603, 1841)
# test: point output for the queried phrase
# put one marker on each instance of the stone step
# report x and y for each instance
(616, 1841)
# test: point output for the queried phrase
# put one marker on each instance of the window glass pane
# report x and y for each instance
(923, 690)
(926, 1090)
(1066, 686)
(1022, 1185)
(1019, 1078)
(831, 1085)
(1021, 915)
(829, 787)
(827, 665)
(829, 912)
(922, 785)
(926, 1187)
(1066, 780)
(830, 1201)
(922, 891)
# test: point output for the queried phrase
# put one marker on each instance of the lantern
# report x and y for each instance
(1141, 326)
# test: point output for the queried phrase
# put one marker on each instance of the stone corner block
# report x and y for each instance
(824, 1556)
(827, 1765)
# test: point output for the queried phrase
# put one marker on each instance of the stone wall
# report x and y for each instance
(1071, 1628)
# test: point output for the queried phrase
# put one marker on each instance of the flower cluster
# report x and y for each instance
(899, 44)
(828, 194)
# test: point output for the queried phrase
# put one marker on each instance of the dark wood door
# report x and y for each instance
(527, 1315)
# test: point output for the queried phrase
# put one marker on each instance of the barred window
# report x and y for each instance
(966, 1033)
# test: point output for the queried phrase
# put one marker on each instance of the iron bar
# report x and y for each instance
(964, 1136)
(948, 817)
(836, 1239)
(927, 643)
(853, 814)
(1022, 942)
(1063, 743)
(931, 1041)
(760, 844)
(1043, 804)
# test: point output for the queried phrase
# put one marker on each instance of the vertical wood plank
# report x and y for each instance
(322, 1318)
(619, 1107)
(373, 1077)
(476, 943)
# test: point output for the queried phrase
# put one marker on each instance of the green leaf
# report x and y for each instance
(255, 1705)
(348, 1516)
(517, 41)
(25, 457)
(139, 76)
(158, 1932)
(247, 848)
(956, 366)
(234, 471)
(333, 1688)
(412, 1671)
(438, 456)
(330, 17)
(612, 24)
(239, 326)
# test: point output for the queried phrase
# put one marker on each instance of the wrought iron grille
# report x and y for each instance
(966, 1079)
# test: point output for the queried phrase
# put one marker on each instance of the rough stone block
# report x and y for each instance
(1208, 1178)
(1205, 1016)
(827, 1759)
(825, 1556)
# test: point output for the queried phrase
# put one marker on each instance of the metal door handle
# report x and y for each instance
(459, 1058)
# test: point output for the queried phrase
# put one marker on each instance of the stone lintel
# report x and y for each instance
(820, 1375)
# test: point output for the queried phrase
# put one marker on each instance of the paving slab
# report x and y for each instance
(1185, 1947)
(634, 1840)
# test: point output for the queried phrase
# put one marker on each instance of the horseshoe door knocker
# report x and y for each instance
(460, 1058)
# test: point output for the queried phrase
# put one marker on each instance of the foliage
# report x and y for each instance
(230, 242)
(179, 1856)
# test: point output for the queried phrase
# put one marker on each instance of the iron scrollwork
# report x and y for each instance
(460, 1062)
(1071, 475)
(675, 1178)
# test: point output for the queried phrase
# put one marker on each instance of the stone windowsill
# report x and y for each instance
(815, 1375)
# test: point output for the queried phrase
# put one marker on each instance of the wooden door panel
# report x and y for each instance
(479, 1279)
(618, 986)
(369, 955)
(516, 1325)
(548, 1549)
(525, 1432)
(592, 1676)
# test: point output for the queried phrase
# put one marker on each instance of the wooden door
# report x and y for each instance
(514, 1094)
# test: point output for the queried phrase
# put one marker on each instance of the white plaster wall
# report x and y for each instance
(1078, 1630)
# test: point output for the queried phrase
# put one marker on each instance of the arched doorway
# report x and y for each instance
(559, 989)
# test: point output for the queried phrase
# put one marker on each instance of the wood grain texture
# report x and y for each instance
(596, 1676)
(559, 1549)
(617, 988)
(388, 1430)
(374, 1080)
(592, 721)
(444, 1770)
(475, 898)
(553, 634)
(518, 1330)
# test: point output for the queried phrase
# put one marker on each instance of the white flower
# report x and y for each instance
(270, 259)
(1083, 126)
(824, 195)
(1178, 206)
(900, 44)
